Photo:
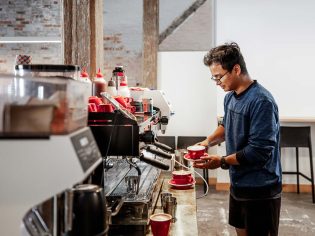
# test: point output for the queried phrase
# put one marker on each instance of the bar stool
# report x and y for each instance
(168, 140)
(298, 137)
(185, 141)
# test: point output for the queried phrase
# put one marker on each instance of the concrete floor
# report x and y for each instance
(297, 214)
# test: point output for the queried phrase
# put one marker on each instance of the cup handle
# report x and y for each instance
(128, 99)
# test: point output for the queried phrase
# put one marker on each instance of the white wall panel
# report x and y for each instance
(186, 82)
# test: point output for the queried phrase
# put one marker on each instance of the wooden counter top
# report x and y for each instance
(186, 213)
(289, 119)
(297, 119)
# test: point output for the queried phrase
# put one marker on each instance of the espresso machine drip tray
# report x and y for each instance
(137, 207)
(147, 182)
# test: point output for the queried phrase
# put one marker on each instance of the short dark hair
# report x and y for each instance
(228, 55)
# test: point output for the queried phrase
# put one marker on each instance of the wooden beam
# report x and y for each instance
(83, 34)
(97, 35)
(150, 42)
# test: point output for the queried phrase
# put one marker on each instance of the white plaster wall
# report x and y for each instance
(277, 39)
(279, 53)
(278, 43)
(186, 82)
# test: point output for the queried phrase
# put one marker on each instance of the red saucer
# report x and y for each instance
(181, 186)
(188, 158)
(173, 182)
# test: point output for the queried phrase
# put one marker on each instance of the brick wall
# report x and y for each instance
(116, 53)
(42, 53)
(29, 18)
(123, 37)
(122, 32)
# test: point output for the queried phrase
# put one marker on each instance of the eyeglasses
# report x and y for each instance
(213, 78)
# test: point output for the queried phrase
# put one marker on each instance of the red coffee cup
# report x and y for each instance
(196, 151)
(160, 224)
(182, 177)
(121, 100)
(132, 109)
(92, 107)
(105, 108)
(128, 99)
(95, 99)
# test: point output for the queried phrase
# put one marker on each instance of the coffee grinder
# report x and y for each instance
(45, 151)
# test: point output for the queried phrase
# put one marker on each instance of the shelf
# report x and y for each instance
(30, 40)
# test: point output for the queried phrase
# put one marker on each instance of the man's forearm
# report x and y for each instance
(217, 136)
(231, 159)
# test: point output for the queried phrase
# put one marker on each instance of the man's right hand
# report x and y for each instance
(203, 143)
(208, 162)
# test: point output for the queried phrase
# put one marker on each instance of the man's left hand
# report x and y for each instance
(208, 162)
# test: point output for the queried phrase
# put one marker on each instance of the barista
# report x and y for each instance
(250, 130)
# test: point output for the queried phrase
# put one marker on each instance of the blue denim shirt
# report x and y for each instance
(251, 125)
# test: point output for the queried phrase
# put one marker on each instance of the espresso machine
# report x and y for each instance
(46, 150)
(133, 161)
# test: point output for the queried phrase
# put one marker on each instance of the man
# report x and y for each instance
(250, 129)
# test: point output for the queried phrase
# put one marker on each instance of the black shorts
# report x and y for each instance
(258, 217)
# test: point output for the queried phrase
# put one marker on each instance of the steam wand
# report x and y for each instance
(153, 162)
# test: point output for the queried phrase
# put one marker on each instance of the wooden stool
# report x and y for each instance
(298, 137)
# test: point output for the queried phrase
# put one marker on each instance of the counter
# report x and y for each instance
(186, 214)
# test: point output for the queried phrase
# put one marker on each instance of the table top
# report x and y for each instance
(309, 119)
(186, 213)
(290, 119)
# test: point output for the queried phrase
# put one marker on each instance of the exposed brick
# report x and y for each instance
(36, 18)
(49, 56)
(51, 25)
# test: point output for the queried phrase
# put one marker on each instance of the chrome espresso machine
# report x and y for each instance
(133, 160)
(47, 155)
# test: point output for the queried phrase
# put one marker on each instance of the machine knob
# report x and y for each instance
(147, 137)
(164, 120)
